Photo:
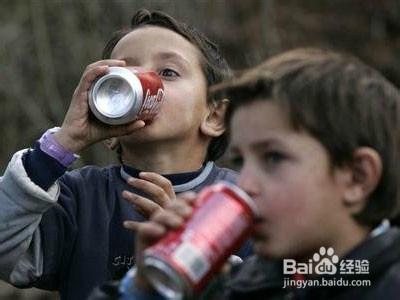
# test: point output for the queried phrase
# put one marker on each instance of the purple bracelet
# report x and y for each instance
(51, 147)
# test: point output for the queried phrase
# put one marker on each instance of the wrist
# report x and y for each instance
(50, 146)
(67, 142)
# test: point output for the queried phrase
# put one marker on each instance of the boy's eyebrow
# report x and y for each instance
(270, 142)
(262, 144)
(171, 55)
(167, 55)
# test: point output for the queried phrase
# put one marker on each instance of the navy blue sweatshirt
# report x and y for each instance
(83, 241)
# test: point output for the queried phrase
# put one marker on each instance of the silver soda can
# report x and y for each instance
(184, 261)
(126, 94)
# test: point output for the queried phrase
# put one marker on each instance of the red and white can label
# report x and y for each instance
(221, 221)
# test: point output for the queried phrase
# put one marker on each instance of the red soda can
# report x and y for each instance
(184, 261)
(126, 94)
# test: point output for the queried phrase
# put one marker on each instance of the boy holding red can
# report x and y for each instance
(64, 230)
(316, 135)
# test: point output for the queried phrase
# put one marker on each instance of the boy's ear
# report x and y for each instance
(111, 143)
(213, 124)
(366, 172)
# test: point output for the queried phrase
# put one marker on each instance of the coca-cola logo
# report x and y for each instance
(151, 101)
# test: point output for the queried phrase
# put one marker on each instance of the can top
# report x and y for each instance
(116, 93)
(242, 195)
(165, 279)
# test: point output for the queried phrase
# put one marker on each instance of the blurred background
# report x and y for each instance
(46, 44)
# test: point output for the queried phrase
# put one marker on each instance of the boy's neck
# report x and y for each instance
(351, 239)
(345, 241)
(164, 159)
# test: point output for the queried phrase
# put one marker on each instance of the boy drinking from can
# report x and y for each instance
(316, 137)
(63, 230)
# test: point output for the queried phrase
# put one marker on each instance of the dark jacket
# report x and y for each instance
(259, 279)
(86, 243)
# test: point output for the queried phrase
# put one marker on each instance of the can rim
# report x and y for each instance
(134, 84)
(242, 195)
(151, 261)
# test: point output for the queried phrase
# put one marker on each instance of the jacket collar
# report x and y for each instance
(181, 182)
(256, 273)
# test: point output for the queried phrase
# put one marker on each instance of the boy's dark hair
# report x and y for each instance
(213, 64)
(342, 102)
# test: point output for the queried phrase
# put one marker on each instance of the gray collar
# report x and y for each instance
(381, 228)
(188, 186)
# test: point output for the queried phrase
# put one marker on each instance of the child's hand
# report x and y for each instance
(157, 187)
(173, 216)
(80, 129)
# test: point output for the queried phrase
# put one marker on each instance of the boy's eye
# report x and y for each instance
(167, 72)
(273, 158)
(236, 161)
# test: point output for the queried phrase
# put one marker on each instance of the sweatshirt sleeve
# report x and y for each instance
(22, 205)
(41, 168)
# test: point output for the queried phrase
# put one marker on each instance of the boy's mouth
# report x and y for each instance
(258, 226)
(258, 220)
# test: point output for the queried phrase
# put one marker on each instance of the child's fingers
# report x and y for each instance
(188, 197)
(88, 78)
(132, 225)
(147, 232)
(155, 192)
(181, 208)
(94, 71)
(160, 181)
(168, 219)
(146, 206)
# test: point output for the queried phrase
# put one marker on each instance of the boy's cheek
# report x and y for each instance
(286, 213)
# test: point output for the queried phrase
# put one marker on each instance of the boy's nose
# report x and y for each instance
(248, 183)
